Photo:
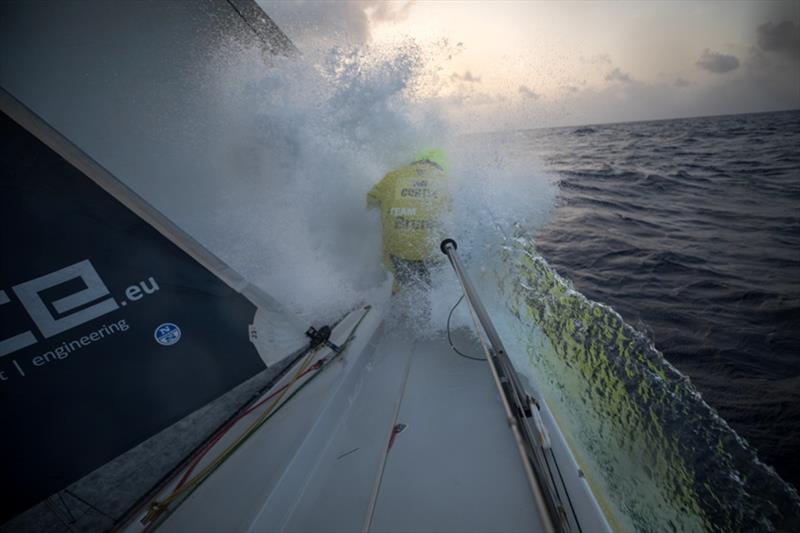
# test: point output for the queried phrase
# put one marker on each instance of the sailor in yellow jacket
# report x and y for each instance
(411, 200)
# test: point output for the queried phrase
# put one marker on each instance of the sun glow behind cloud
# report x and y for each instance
(523, 64)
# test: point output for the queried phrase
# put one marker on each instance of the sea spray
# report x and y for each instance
(658, 456)
(307, 139)
(316, 135)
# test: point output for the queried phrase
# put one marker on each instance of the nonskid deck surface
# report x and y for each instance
(323, 463)
(454, 467)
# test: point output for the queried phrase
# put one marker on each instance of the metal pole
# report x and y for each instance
(505, 378)
(449, 248)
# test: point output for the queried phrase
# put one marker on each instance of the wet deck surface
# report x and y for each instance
(455, 466)
(321, 464)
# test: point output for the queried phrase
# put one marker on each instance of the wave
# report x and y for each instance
(659, 456)
(307, 140)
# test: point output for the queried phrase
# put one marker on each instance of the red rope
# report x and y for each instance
(227, 427)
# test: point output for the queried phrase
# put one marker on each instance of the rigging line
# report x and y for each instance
(285, 42)
(538, 453)
(130, 514)
(188, 485)
(309, 354)
(57, 514)
(158, 507)
(302, 371)
(379, 477)
(168, 478)
(194, 484)
(244, 19)
(222, 432)
(206, 471)
(564, 485)
(66, 508)
(89, 504)
(450, 339)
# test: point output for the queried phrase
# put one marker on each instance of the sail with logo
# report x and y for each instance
(123, 342)
(144, 382)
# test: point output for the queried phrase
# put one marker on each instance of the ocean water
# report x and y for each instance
(573, 236)
(690, 229)
(644, 277)
(673, 252)
(301, 154)
(624, 266)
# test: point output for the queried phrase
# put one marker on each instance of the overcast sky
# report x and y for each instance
(526, 64)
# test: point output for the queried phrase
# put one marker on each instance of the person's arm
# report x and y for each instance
(375, 195)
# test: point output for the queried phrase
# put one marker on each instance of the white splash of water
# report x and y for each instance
(307, 138)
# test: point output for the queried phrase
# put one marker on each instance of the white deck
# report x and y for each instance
(455, 467)
(321, 464)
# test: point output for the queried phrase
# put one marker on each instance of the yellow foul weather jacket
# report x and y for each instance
(411, 200)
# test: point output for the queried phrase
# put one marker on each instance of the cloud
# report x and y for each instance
(307, 22)
(465, 99)
(311, 22)
(597, 59)
(680, 82)
(618, 75)
(716, 62)
(756, 60)
(527, 92)
(783, 37)
(639, 101)
(482, 98)
(379, 11)
(468, 77)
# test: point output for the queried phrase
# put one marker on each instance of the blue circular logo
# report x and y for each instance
(167, 334)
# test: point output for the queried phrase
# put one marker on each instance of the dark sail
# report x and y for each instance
(109, 331)
(123, 342)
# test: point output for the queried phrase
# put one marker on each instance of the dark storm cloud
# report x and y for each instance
(680, 82)
(716, 62)
(527, 92)
(618, 75)
(468, 77)
(783, 37)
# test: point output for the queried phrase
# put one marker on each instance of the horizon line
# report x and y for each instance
(638, 121)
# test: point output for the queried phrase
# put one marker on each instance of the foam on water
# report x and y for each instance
(660, 458)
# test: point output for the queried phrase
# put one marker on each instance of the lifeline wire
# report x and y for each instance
(450, 340)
